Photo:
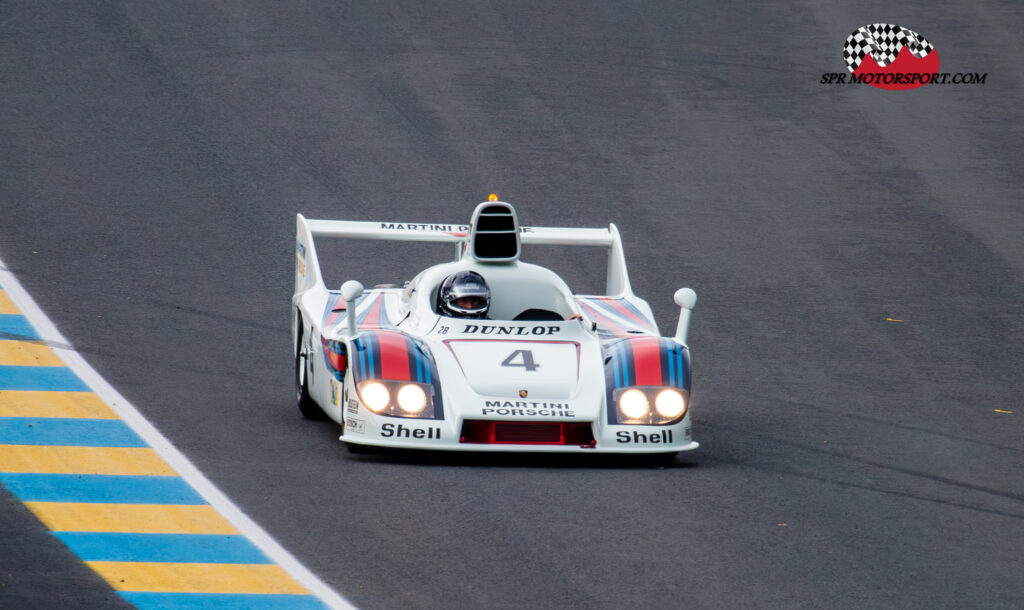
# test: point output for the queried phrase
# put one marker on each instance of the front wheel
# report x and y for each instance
(309, 408)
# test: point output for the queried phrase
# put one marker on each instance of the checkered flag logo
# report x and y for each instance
(883, 41)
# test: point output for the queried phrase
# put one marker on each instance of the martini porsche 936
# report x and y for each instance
(487, 352)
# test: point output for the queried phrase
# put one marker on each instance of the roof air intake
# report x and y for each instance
(494, 233)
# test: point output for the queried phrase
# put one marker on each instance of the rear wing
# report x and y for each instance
(307, 269)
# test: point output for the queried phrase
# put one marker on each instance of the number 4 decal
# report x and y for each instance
(526, 363)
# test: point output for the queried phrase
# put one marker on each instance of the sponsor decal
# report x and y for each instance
(644, 438)
(352, 406)
(402, 431)
(410, 226)
(491, 329)
(300, 260)
(523, 393)
(355, 425)
(520, 408)
(334, 393)
(893, 57)
(436, 228)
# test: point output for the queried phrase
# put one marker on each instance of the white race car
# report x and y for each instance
(542, 370)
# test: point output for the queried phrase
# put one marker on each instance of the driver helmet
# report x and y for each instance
(464, 295)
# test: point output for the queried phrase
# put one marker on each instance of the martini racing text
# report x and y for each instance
(440, 228)
(409, 226)
(527, 409)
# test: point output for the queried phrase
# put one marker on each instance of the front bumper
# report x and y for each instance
(520, 435)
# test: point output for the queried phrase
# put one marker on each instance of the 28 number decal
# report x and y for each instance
(526, 362)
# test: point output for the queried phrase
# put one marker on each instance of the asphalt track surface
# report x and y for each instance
(154, 155)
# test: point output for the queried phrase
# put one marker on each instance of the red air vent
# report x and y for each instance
(526, 433)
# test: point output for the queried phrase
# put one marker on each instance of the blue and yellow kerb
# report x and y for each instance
(112, 499)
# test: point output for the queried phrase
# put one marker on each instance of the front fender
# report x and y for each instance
(395, 356)
(644, 361)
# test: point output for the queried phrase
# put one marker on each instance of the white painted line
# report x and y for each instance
(177, 460)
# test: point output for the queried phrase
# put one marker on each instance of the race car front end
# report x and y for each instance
(523, 386)
(647, 394)
(393, 396)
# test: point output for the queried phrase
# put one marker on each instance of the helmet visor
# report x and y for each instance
(468, 296)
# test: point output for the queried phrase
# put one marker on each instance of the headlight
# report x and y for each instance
(397, 398)
(375, 396)
(670, 404)
(412, 398)
(633, 404)
(649, 405)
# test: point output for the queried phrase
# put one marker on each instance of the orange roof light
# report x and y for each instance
(492, 197)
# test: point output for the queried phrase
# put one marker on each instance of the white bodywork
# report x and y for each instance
(556, 370)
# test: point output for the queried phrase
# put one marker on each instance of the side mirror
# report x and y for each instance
(686, 299)
(350, 291)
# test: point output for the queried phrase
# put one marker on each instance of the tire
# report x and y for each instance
(305, 402)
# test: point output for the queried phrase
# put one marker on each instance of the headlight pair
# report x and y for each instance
(397, 398)
(649, 405)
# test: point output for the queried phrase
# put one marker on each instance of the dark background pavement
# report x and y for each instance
(153, 156)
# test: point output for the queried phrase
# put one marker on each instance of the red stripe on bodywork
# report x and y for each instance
(372, 319)
(622, 308)
(602, 321)
(337, 361)
(394, 356)
(647, 361)
(331, 317)
(337, 308)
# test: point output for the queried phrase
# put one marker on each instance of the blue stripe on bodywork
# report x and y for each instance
(608, 310)
(671, 365)
(370, 373)
(221, 601)
(360, 347)
(624, 363)
(419, 364)
(615, 367)
(16, 326)
(428, 362)
(605, 308)
(683, 370)
(74, 432)
(45, 378)
(106, 488)
(162, 548)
